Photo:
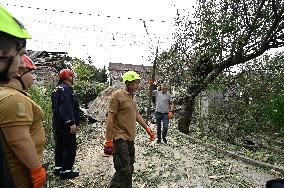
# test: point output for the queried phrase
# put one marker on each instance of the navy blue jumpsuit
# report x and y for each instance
(65, 108)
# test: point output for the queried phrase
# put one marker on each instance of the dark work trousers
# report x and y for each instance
(65, 149)
(123, 159)
(162, 117)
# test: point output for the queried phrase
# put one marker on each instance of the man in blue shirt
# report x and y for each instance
(164, 108)
(65, 108)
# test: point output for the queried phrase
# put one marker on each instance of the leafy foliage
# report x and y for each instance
(42, 96)
(89, 72)
(90, 81)
(257, 103)
(87, 91)
(222, 34)
(276, 112)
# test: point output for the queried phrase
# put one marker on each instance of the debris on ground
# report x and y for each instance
(180, 163)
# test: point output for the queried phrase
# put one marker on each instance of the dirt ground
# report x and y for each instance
(180, 163)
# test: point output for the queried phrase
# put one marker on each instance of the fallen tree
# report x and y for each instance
(224, 34)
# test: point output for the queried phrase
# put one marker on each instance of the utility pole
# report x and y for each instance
(151, 86)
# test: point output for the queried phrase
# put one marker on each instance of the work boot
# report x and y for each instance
(68, 174)
(165, 141)
(57, 171)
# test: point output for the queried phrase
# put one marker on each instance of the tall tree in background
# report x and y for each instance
(84, 71)
(223, 34)
(88, 71)
(90, 80)
(103, 75)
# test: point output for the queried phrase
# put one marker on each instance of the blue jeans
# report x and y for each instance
(162, 117)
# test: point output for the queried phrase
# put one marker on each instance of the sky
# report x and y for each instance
(117, 31)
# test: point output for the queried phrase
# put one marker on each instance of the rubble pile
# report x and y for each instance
(97, 109)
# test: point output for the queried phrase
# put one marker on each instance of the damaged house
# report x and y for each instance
(48, 64)
(117, 69)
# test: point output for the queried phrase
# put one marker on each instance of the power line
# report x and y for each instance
(86, 43)
(86, 14)
(94, 29)
(63, 44)
(113, 38)
(117, 36)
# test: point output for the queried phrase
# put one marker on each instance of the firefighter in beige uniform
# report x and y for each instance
(120, 130)
(29, 115)
(21, 128)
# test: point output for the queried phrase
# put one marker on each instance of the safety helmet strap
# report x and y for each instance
(19, 78)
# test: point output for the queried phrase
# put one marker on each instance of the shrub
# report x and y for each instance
(255, 103)
(42, 96)
(276, 112)
(87, 91)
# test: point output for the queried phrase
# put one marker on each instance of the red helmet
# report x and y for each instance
(28, 62)
(65, 73)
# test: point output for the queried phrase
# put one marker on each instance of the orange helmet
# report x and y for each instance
(28, 62)
(65, 73)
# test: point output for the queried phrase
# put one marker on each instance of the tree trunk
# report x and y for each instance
(209, 74)
(186, 115)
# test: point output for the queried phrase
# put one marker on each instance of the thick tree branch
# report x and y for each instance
(238, 58)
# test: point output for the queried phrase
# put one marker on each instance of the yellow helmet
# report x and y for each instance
(11, 25)
(130, 76)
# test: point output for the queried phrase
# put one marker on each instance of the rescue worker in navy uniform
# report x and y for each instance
(65, 109)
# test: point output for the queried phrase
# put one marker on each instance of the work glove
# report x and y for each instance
(150, 82)
(38, 176)
(170, 115)
(108, 147)
(150, 133)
